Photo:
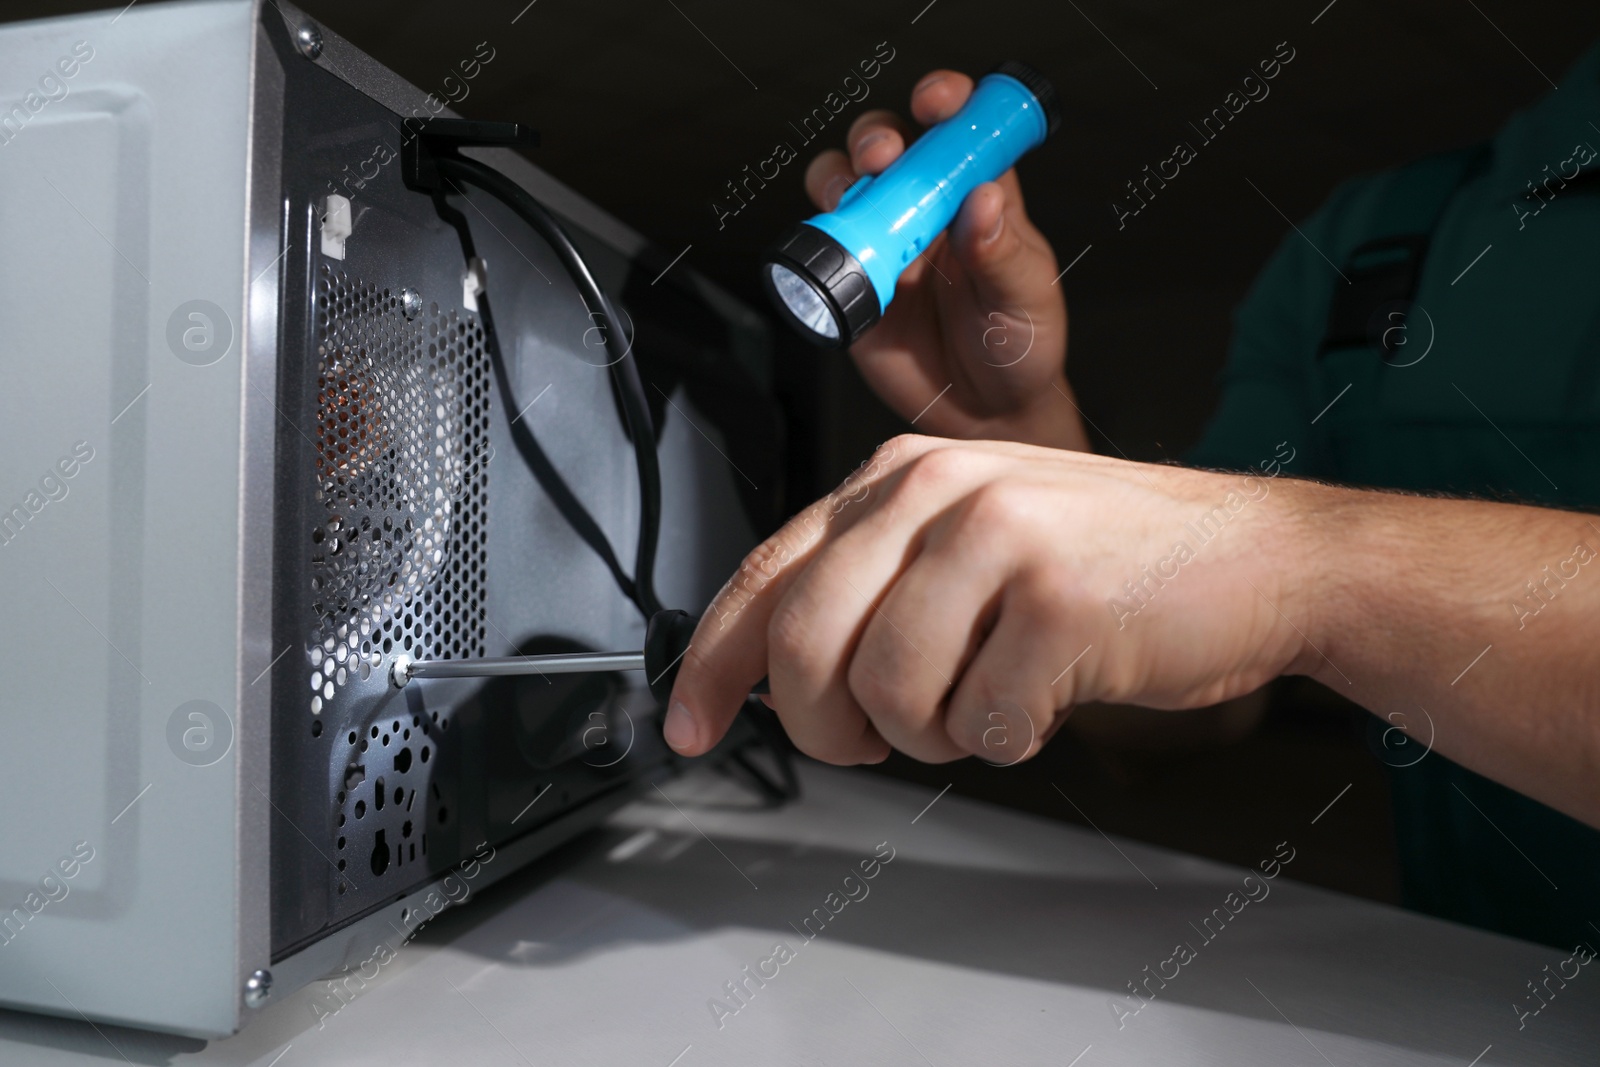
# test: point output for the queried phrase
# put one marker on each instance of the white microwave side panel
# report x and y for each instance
(124, 161)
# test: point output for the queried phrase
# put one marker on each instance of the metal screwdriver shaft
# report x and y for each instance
(666, 641)
(405, 668)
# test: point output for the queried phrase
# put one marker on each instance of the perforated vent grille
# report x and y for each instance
(398, 547)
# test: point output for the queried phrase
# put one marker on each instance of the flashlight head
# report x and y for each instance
(820, 287)
(834, 276)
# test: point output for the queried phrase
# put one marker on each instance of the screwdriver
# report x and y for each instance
(666, 640)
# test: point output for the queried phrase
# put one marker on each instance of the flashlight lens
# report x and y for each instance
(803, 301)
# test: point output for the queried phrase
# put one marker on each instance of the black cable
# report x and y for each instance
(635, 407)
(533, 455)
(427, 169)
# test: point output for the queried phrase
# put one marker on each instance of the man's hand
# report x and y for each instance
(958, 598)
(979, 312)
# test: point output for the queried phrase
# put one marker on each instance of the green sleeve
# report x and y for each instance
(1270, 388)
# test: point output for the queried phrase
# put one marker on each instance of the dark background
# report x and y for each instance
(648, 107)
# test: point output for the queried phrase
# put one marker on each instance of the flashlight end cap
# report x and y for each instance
(1039, 86)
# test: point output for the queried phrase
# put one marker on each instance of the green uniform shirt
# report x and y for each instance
(1495, 393)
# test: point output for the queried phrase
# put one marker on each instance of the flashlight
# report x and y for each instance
(833, 276)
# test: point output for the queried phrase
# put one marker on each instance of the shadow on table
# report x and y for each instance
(1326, 962)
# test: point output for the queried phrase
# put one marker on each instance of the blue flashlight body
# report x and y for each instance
(889, 219)
(837, 280)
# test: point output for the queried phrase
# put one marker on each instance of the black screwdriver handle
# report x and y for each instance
(666, 639)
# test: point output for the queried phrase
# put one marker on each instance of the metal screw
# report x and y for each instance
(309, 40)
(257, 988)
(410, 303)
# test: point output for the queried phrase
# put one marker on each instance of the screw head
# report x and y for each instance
(309, 40)
(257, 989)
(410, 303)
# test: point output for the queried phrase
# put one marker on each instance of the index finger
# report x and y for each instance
(728, 653)
(938, 95)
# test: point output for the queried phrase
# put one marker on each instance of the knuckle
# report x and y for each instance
(789, 637)
(880, 688)
(860, 481)
(764, 563)
(900, 445)
(767, 559)
(1000, 504)
(934, 471)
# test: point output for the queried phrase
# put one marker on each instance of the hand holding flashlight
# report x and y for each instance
(977, 310)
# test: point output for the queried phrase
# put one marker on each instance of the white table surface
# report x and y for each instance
(991, 938)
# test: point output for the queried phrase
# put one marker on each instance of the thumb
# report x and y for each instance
(1009, 262)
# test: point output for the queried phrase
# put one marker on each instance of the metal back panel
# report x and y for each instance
(399, 549)
(408, 523)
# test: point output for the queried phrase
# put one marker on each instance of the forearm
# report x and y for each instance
(1473, 624)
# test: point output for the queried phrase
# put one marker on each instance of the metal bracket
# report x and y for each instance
(427, 141)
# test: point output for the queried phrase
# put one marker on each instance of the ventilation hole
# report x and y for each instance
(444, 814)
(341, 842)
(316, 727)
(425, 753)
(377, 794)
(405, 831)
(402, 761)
(380, 854)
(361, 808)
